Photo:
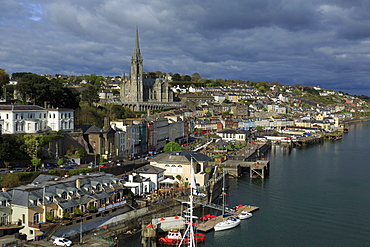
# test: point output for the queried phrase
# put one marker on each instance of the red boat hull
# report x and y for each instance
(198, 237)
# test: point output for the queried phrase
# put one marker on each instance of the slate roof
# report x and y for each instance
(87, 129)
(149, 169)
(181, 157)
(50, 186)
(21, 108)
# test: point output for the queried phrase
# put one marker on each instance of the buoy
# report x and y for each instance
(161, 219)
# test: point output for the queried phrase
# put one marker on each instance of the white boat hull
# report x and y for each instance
(244, 215)
(227, 224)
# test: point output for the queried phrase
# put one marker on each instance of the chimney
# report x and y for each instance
(4, 189)
(78, 183)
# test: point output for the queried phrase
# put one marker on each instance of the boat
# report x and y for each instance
(228, 221)
(176, 238)
(245, 215)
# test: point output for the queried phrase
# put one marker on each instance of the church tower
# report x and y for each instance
(136, 88)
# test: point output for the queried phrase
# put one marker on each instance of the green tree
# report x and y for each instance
(38, 90)
(186, 78)
(50, 217)
(4, 78)
(176, 77)
(90, 95)
(77, 211)
(172, 146)
(60, 161)
(31, 145)
(195, 76)
(67, 215)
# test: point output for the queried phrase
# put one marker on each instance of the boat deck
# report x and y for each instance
(208, 225)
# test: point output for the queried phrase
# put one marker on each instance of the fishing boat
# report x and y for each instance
(176, 238)
(244, 215)
(228, 221)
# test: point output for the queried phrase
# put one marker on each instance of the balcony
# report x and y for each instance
(10, 226)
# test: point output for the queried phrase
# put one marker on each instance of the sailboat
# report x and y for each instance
(228, 221)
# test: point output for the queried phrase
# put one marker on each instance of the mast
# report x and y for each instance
(189, 212)
(191, 242)
(223, 192)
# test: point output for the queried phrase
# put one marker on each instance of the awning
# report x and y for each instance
(167, 181)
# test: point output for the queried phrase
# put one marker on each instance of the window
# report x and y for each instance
(167, 167)
(174, 170)
(64, 195)
(4, 219)
(36, 218)
(179, 169)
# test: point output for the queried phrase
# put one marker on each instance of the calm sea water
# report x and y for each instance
(314, 196)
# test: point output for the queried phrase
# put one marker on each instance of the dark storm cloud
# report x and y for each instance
(313, 42)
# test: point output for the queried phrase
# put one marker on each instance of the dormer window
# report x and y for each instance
(3, 203)
(35, 202)
(64, 195)
(51, 198)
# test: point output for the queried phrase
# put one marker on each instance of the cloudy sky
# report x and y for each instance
(322, 43)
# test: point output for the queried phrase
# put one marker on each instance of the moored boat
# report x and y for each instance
(176, 237)
(245, 215)
(227, 223)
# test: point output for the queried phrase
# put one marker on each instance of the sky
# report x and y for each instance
(323, 43)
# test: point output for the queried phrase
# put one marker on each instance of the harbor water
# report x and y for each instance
(314, 196)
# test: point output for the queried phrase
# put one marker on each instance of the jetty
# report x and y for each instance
(205, 226)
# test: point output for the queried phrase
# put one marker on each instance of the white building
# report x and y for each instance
(155, 174)
(32, 119)
(60, 119)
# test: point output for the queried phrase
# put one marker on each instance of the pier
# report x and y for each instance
(208, 225)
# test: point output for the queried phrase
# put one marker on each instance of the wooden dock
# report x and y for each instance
(208, 225)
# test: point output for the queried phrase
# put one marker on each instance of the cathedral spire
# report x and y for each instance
(136, 53)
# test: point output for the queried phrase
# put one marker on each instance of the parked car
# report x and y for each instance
(49, 169)
(105, 164)
(4, 171)
(17, 169)
(92, 164)
(32, 169)
(49, 164)
(62, 242)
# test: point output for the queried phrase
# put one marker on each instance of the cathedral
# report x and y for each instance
(137, 89)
